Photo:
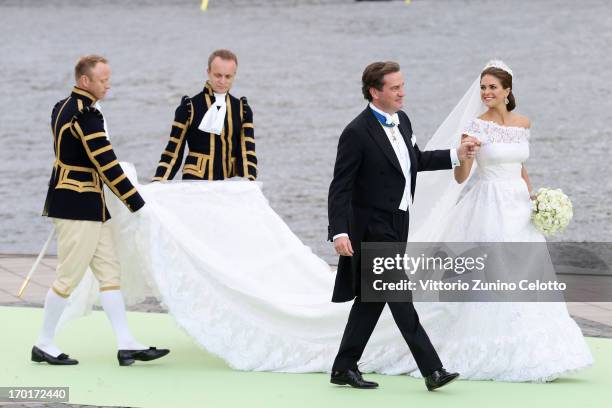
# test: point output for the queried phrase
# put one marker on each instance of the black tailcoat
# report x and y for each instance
(368, 177)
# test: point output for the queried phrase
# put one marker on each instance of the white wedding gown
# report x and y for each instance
(507, 341)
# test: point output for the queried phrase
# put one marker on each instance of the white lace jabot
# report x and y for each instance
(214, 118)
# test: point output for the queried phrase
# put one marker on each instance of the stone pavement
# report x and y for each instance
(594, 318)
(14, 269)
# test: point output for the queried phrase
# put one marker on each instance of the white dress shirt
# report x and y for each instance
(401, 151)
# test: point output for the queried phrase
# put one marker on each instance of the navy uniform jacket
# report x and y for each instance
(84, 160)
(210, 156)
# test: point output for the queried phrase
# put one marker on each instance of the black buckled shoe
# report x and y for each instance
(127, 357)
(351, 377)
(40, 356)
(439, 378)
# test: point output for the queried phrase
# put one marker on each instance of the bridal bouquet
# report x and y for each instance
(552, 211)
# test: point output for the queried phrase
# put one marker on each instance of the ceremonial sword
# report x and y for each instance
(41, 255)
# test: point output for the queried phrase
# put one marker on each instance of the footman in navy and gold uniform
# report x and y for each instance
(84, 162)
(215, 127)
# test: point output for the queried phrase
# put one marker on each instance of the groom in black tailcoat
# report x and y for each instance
(369, 201)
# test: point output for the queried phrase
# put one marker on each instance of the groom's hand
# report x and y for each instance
(468, 149)
(343, 246)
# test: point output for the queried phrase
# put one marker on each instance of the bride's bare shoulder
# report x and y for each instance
(519, 120)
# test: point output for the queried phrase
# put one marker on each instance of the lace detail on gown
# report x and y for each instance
(491, 132)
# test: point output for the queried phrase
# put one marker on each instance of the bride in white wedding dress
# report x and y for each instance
(246, 289)
(507, 341)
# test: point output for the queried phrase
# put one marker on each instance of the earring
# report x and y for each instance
(507, 101)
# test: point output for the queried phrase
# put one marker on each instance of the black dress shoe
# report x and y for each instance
(439, 378)
(127, 357)
(40, 356)
(351, 377)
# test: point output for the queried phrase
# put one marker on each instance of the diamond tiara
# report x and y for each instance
(498, 64)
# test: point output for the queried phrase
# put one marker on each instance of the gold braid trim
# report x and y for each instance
(57, 138)
(94, 135)
(211, 151)
(243, 142)
(109, 165)
(101, 169)
(102, 150)
(118, 179)
(128, 194)
(178, 144)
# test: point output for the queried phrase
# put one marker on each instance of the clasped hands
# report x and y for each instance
(468, 148)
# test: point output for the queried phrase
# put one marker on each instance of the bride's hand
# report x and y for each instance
(465, 151)
(468, 148)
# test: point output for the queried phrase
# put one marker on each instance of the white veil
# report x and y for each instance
(437, 191)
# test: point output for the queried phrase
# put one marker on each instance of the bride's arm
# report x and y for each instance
(525, 177)
(462, 172)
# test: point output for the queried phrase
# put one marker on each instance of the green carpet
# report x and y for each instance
(190, 377)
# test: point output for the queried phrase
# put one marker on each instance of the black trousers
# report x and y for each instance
(385, 227)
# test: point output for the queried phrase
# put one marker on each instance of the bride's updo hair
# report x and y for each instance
(506, 81)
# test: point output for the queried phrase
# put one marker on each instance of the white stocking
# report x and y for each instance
(54, 307)
(112, 302)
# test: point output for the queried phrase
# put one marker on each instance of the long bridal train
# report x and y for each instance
(236, 279)
(246, 289)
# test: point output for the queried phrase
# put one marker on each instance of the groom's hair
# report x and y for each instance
(373, 76)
